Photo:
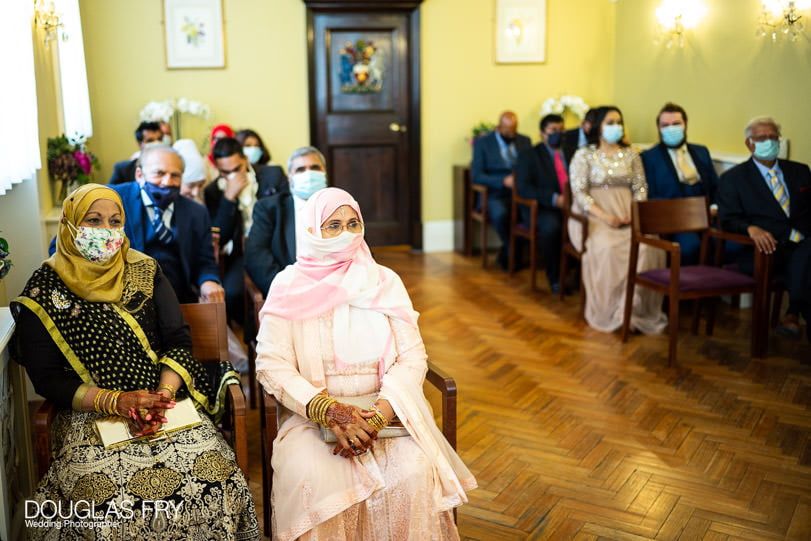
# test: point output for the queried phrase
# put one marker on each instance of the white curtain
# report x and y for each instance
(19, 133)
(73, 73)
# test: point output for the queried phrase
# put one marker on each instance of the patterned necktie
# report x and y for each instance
(560, 171)
(779, 192)
(162, 233)
(510, 156)
(781, 195)
(689, 173)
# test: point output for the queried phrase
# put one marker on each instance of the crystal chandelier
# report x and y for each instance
(782, 17)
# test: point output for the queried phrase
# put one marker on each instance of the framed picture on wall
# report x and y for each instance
(194, 34)
(520, 31)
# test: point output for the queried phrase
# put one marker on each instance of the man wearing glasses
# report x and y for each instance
(769, 199)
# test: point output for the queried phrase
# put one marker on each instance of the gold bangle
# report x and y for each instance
(317, 408)
(96, 399)
(114, 403)
(170, 388)
(379, 421)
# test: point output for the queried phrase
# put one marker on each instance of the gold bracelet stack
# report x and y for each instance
(169, 388)
(379, 421)
(106, 401)
(317, 408)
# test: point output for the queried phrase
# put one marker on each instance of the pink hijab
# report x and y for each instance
(339, 275)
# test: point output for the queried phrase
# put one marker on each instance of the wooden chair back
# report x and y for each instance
(474, 193)
(528, 231)
(567, 247)
(253, 304)
(668, 216)
(207, 324)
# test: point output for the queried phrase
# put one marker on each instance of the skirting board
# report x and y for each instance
(437, 236)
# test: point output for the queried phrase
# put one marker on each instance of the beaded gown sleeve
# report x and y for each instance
(49, 370)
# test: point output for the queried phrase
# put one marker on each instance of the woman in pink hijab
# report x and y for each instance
(338, 325)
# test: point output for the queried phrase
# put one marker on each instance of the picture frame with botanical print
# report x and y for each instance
(194, 34)
(520, 31)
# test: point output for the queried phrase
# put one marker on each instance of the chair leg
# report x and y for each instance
(484, 244)
(674, 331)
(564, 264)
(533, 263)
(511, 257)
(626, 315)
(711, 310)
(776, 302)
(696, 315)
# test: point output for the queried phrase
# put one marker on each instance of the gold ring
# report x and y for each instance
(143, 412)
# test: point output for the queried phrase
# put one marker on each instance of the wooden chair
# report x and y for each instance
(207, 323)
(527, 231)
(472, 213)
(568, 249)
(253, 304)
(270, 427)
(690, 214)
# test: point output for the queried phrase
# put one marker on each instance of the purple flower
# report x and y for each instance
(84, 161)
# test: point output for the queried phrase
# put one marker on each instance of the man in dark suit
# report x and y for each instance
(542, 174)
(147, 132)
(578, 137)
(230, 200)
(675, 168)
(495, 156)
(173, 229)
(271, 243)
(770, 201)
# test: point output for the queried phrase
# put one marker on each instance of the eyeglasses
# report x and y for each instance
(761, 138)
(334, 229)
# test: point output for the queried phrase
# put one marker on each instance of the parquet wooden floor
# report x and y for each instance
(574, 435)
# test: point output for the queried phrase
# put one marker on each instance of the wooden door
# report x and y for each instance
(364, 110)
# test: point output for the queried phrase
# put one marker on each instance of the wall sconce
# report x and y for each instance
(676, 17)
(782, 17)
(46, 18)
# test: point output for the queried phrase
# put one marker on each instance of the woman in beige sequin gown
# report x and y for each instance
(605, 177)
(337, 324)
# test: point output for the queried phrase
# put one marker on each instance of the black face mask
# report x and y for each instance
(163, 196)
(508, 140)
(554, 139)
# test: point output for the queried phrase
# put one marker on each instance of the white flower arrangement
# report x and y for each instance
(574, 104)
(163, 111)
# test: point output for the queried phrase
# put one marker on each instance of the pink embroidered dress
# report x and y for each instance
(338, 321)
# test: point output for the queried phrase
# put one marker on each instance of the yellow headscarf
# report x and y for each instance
(92, 281)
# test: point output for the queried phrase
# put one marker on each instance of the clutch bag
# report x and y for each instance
(394, 429)
(115, 431)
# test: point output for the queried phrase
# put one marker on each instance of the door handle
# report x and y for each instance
(402, 128)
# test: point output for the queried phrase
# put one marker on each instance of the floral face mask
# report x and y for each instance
(97, 244)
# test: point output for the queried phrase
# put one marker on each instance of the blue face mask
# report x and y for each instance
(308, 182)
(612, 133)
(766, 150)
(672, 136)
(554, 139)
(162, 196)
(252, 153)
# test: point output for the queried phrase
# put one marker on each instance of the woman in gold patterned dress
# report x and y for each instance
(605, 177)
(100, 332)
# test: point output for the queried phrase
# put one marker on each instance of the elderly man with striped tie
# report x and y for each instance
(769, 199)
(172, 228)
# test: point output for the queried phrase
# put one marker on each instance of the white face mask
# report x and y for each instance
(97, 244)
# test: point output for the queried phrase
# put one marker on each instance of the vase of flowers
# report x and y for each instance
(70, 164)
(5, 260)
(170, 111)
(566, 103)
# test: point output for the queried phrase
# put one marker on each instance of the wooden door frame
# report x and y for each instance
(410, 7)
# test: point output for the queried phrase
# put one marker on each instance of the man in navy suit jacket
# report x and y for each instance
(675, 168)
(271, 244)
(186, 256)
(230, 200)
(495, 157)
(146, 133)
(538, 177)
(770, 201)
(578, 137)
